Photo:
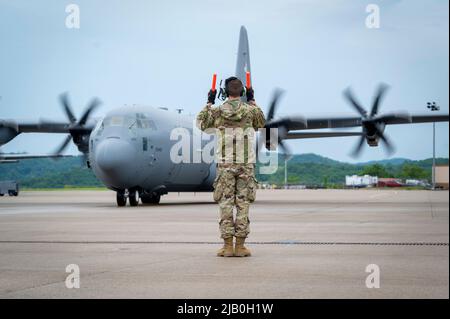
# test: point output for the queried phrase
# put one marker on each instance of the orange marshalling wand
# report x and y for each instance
(247, 78)
(214, 80)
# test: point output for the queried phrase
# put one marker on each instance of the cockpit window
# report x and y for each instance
(117, 120)
(114, 121)
(139, 121)
(144, 122)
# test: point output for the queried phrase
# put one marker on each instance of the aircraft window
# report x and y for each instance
(149, 124)
(114, 121)
(144, 144)
(144, 122)
(132, 124)
(140, 122)
(124, 121)
(99, 127)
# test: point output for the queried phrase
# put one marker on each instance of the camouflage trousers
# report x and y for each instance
(235, 186)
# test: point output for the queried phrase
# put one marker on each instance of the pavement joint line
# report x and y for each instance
(306, 243)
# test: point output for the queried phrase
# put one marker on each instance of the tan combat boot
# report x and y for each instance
(227, 249)
(240, 250)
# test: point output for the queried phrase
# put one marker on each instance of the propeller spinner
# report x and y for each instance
(373, 125)
(77, 129)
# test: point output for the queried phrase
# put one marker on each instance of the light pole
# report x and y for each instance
(433, 107)
(285, 173)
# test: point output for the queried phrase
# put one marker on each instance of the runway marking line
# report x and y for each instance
(306, 243)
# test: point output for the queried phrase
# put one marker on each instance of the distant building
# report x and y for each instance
(360, 181)
(442, 176)
(416, 182)
(296, 186)
(389, 182)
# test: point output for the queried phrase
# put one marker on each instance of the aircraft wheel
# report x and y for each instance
(151, 199)
(156, 199)
(121, 199)
(133, 197)
(1, 195)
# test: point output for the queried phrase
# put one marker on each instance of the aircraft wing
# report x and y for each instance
(303, 135)
(9, 129)
(300, 123)
(14, 158)
(9, 157)
(372, 126)
(40, 126)
(77, 129)
(429, 118)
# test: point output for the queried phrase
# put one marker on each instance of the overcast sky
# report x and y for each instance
(163, 53)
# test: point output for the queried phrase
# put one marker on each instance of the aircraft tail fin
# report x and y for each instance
(243, 55)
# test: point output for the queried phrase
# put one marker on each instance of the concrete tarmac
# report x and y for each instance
(305, 244)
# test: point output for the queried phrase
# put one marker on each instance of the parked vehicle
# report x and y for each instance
(9, 187)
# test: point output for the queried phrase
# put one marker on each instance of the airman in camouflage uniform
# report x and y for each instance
(235, 123)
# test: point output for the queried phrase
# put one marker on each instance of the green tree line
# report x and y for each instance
(307, 169)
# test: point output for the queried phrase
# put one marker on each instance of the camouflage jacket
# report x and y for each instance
(235, 123)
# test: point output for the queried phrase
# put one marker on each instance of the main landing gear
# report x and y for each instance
(133, 196)
(121, 198)
(150, 199)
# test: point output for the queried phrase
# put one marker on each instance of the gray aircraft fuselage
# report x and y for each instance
(130, 149)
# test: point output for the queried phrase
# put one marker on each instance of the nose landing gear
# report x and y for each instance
(133, 195)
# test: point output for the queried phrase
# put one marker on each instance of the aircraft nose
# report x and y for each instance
(115, 155)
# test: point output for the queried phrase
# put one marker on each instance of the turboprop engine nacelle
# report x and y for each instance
(8, 131)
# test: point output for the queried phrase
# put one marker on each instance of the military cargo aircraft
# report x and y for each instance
(129, 148)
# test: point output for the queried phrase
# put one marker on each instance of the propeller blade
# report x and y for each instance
(263, 143)
(273, 105)
(285, 149)
(382, 88)
(64, 144)
(64, 98)
(387, 143)
(92, 106)
(357, 150)
(348, 94)
(269, 139)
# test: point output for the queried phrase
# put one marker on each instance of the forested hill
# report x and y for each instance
(312, 169)
(309, 169)
(49, 173)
